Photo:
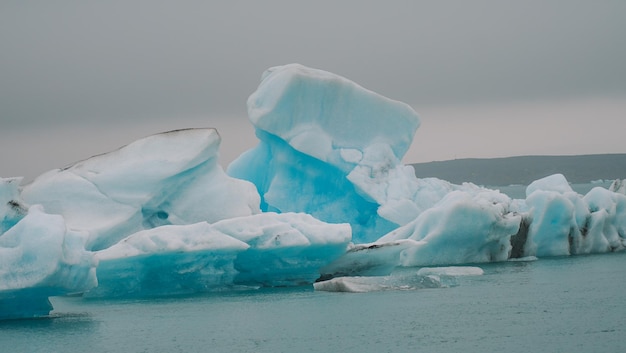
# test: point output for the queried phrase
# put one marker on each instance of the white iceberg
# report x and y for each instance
(168, 178)
(428, 277)
(464, 227)
(563, 222)
(323, 197)
(365, 284)
(451, 271)
(39, 258)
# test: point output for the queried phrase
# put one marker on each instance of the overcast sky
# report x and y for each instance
(488, 78)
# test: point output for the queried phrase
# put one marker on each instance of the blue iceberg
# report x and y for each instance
(323, 201)
(39, 257)
(267, 249)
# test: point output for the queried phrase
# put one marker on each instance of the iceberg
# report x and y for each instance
(618, 186)
(361, 284)
(322, 201)
(39, 257)
(451, 271)
(12, 208)
(337, 146)
(472, 225)
(424, 278)
(267, 249)
(168, 178)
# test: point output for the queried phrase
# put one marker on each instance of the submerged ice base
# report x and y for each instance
(322, 199)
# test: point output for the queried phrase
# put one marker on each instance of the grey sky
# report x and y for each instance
(78, 78)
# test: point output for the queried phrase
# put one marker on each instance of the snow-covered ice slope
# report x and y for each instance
(168, 178)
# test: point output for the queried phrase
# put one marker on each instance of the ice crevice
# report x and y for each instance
(323, 200)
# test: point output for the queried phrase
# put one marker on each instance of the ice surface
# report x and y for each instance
(40, 257)
(461, 228)
(619, 186)
(451, 271)
(431, 277)
(169, 178)
(325, 115)
(12, 209)
(266, 249)
(555, 182)
(323, 198)
(566, 223)
(606, 226)
(360, 284)
(338, 147)
(371, 259)
(553, 224)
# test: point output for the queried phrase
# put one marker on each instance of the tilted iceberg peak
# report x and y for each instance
(337, 146)
(329, 117)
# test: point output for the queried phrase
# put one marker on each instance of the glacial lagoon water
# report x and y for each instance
(566, 304)
(519, 191)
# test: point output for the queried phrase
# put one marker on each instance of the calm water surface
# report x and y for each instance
(570, 304)
(519, 191)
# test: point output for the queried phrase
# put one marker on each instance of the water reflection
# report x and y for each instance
(60, 321)
(56, 330)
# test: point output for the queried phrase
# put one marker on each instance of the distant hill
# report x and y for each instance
(525, 169)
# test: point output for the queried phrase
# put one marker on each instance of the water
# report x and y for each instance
(519, 191)
(569, 304)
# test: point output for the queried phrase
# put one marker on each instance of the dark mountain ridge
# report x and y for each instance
(523, 170)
